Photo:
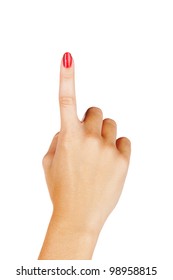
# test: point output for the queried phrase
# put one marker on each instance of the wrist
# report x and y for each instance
(66, 240)
(75, 225)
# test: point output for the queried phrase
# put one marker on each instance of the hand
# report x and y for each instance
(85, 166)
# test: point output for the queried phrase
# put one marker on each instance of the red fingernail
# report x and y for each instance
(67, 60)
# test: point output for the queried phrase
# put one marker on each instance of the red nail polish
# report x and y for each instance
(67, 60)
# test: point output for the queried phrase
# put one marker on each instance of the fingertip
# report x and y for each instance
(67, 66)
(67, 60)
(67, 83)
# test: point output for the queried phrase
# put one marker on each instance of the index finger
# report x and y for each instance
(67, 97)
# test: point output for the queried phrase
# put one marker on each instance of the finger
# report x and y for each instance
(109, 130)
(67, 98)
(124, 146)
(93, 120)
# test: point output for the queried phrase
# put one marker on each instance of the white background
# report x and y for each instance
(123, 53)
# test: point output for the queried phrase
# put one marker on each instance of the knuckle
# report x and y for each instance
(66, 100)
(93, 138)
(110, 121)
(125, 149)
(67, 75)
(126, 142)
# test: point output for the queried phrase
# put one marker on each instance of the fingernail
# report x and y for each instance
(67, 60)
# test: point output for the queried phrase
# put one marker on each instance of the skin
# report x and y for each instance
(85, 169)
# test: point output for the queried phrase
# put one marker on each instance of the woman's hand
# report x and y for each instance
(85, 169)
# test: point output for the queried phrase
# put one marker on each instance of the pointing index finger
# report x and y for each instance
(67, 98)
